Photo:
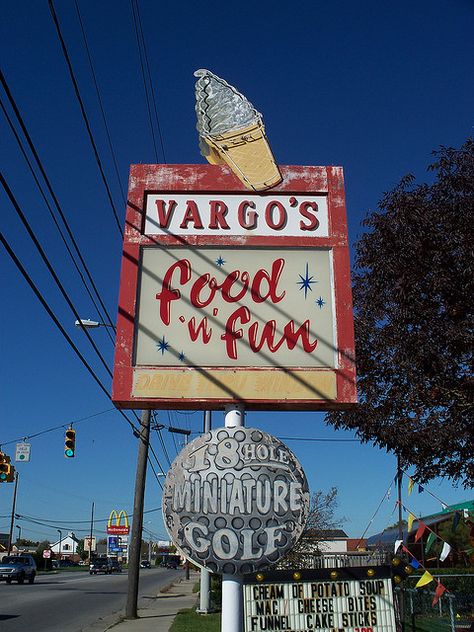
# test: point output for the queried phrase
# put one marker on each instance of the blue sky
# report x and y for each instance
(371, 86)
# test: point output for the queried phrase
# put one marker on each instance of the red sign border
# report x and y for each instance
(312, 180)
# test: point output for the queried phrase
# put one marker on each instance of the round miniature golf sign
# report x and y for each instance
(235, 500)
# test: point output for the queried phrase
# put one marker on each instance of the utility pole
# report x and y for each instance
(400, 535)
(10, 537)
(399, 490)
(92, 530)
(137, 524)
(205, 581)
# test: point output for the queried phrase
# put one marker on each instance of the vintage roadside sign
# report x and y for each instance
(230, 296)
(329, 600)
(23, 452)
(235, 500)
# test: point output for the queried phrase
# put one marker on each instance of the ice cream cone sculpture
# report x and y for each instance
(231, 132)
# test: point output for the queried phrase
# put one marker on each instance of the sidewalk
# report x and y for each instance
(160, 612)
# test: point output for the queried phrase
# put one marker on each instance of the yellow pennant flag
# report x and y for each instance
(411, 517)
(411, 482)
(426, 578)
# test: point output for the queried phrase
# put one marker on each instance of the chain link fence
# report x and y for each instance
(453, 612)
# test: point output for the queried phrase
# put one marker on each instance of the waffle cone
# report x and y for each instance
(248, 154)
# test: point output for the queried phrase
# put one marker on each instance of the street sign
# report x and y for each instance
(341, 599)
(23, 452)
(47, 554)
(229, 296)
(235, 500)
(90, 544)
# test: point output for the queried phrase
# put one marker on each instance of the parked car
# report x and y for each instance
(145, 564)
(66, 563)
(171, 561)
(18, 568)
(116, 566)
(101, 565)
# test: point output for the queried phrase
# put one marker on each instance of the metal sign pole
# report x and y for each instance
(205, 578)
(232, 599)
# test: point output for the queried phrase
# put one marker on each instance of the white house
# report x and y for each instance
(66, 546)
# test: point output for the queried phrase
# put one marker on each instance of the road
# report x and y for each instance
(72, 601)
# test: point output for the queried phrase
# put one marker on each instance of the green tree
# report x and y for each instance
(25, 542)
(84, 555)
(413, 291)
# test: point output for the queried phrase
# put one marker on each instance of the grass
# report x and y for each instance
(189, 621)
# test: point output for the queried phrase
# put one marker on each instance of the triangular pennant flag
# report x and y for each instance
(456, 519)
(415, 563)
(445, 552)
(421, 489)
(440, 589)
(429, 541)
(411, 517)
(389, 493)
(411, 482)
(426, 578)
(397, 545)
(421, 529)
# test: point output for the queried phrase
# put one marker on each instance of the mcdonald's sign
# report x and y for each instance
(114, 526)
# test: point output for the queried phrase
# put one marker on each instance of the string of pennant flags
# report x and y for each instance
(426, 578)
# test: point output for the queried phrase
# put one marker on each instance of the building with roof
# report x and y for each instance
(445, 520)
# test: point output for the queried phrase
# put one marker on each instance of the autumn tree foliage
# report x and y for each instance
(413, 288)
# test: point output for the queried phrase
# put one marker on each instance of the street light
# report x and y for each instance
(91, 324)
(60, 541)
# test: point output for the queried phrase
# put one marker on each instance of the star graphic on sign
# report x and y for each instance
(181, 357)
(162, 345)
(320, 302)
(220, 261)
(306, 282)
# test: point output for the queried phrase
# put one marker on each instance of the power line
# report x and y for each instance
(50, 312)
(83, 112)
(51, 270)
(157, 427)
(109, 139)
(66, 297)
(54, 428)
(135, 21)
(38, 184)
(150, 81)
(319, 439)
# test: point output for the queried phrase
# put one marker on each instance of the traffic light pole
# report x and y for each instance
(10, 537)
(137, 523)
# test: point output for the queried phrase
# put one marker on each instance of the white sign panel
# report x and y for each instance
(236, 307)
(23, 452)
(219, 214)
(343, 604)
(89, 544)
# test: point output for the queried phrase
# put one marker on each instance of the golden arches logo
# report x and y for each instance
(118, 527)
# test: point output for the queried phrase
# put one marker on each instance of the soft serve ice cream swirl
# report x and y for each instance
(220, 108)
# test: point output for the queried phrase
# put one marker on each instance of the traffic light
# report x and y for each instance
(7, 471)
(70, 443)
